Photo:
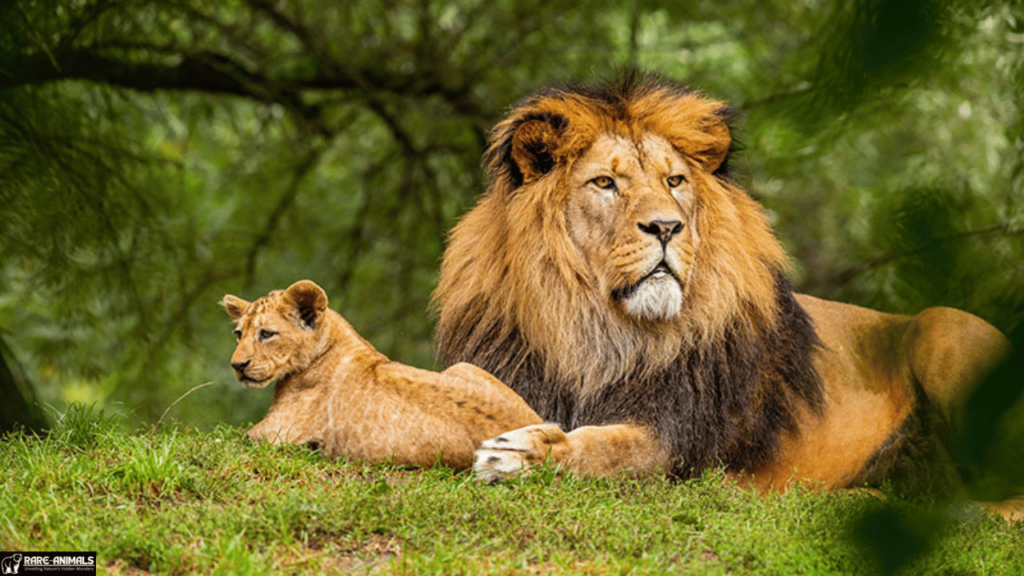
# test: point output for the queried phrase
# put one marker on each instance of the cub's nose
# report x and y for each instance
(241, 366)
(664, 230)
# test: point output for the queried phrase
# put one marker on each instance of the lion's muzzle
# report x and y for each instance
(246, 379)
(656, 296)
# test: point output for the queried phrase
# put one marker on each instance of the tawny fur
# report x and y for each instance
(335, 391)
(536, 282)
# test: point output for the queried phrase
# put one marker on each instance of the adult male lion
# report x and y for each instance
(617, 279)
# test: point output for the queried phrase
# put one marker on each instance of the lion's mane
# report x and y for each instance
(719, 384)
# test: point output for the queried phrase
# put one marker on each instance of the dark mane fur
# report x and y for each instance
(725, 405)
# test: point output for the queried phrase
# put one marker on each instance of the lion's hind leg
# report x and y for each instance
(589, 450)
(950, 353)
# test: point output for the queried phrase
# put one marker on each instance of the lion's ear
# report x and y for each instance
(712, 145)
(234, 306)
(534, 145)
(308, 300)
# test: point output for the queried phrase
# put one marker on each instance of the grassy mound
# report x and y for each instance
(176, 501)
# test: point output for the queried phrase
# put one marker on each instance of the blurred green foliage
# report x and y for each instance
(155, 155)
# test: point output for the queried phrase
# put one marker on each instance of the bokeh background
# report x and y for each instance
(157, 154)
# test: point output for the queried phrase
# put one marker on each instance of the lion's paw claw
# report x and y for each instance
(513, 453)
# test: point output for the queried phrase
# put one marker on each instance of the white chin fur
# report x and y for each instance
(658, 298)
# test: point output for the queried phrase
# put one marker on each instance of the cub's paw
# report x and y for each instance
(515, 452)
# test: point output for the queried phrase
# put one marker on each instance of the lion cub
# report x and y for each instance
(336, 392)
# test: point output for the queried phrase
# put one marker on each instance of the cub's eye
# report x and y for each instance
(238, 334)
(604, 183)
(265, 334)
(676, 180)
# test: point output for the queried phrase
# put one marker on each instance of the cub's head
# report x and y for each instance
(611, 236)
(278, 334)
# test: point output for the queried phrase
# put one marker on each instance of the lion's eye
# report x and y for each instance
(604, 182)
(238, 334)
(265, 334)
(675, 180)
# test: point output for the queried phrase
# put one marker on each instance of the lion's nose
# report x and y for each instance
(241, 366)
(664, 230)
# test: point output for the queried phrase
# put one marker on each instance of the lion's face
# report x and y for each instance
(611, 241)
(277, 334)
(630, 214)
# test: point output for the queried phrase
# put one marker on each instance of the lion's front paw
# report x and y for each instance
(514, 452)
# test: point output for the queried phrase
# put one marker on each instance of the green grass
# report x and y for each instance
(177, 501)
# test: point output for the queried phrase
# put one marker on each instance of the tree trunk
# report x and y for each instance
(18, 407)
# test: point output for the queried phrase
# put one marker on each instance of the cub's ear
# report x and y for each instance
(308, 300)
(234, 306)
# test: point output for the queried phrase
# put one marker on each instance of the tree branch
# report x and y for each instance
(798, 90)
(205, 72)
(287, 199)
(217, 73)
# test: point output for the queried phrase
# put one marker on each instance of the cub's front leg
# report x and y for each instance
(588, 450)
